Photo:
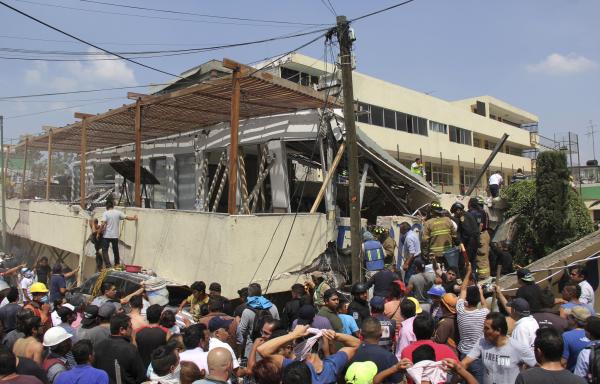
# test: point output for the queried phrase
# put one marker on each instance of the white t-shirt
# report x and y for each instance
(216, 343)
(25, 285)
(197, 356)
(587, 293)
(112, 218)
(524, 331)
(495, 178)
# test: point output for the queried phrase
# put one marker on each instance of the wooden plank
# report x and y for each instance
(138, 153)
(233, 149)
(49, 173)
(330, 174)
(82, 163)
(79, 115)
(135, 95)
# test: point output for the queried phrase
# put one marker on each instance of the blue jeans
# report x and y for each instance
(476, 368)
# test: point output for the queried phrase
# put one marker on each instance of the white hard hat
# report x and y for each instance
(55, 336)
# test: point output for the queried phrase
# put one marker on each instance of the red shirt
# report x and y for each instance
(442, 351)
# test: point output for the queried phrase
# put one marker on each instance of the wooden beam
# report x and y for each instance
(138, 153)
(49, 173)
(7, 154)
(135, 96)
(233, 150)
(330, 174)
(24, 167)
(83, 116)
(83, 162)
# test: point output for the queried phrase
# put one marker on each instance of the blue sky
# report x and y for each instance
(540, 55)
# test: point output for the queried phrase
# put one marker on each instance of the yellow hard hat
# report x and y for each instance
(38, 288)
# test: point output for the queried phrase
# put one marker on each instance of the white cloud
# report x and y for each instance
(71, 76)
(557, 64)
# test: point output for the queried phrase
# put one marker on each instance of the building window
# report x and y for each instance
(467, 176)
(438, 127)
(389, 118)
(477, 142)
(460, 135)
(376, 115)
(364, 113)
(401, 121)
(442, 174)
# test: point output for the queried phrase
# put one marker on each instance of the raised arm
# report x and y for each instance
(272, 346)
(484, 303)
(400, 366)
(465, 283)
(126, 299)
(73, 272)
(13, 270)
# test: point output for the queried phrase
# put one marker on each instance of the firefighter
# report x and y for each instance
(439, 234)
(483, 252)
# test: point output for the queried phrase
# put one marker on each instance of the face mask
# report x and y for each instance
(44, 299)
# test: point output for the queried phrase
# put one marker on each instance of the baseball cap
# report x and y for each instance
(361, 372)
(521, 306)
(306, 314)
(215, 287)
(449, 300)
(436, 290)
(106, 310)
(218, 322)
(377, 302)
(64, 310)
(417, 305)
(525, 275)
(89, 315)
(580, 313)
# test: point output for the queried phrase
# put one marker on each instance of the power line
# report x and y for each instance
(79, 91)
(190, 50)
(202, 15)
(380, 11)
(153, 17)
(85, 42)
(57, 109)
(331, 10)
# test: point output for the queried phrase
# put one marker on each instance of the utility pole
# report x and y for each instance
(3, 183)
(591, 132)
(343, 33)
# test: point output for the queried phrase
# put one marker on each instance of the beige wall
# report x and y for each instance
(187, 246)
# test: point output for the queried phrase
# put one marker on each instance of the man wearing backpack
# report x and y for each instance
(259, 311)
(588, 361)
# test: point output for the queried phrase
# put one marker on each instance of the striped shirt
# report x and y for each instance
(470, 325)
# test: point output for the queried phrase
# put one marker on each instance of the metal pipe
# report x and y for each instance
(487, 163)
(3, 184)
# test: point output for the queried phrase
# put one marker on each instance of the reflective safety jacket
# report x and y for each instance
(438, 235)
(374, 255)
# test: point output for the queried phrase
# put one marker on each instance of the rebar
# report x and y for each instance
(221, 188)
(213, 183)
(243, 182)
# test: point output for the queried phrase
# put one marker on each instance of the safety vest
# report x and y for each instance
(374, 255)
(416, 169)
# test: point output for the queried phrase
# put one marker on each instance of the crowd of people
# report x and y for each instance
(445, 330)
(419, 316)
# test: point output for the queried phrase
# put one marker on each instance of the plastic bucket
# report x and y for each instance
(452, 257)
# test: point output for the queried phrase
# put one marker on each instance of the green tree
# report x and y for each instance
(551, 221)
(551, 214)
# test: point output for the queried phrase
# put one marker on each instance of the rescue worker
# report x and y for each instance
(483, 252)
(359, 307)
(439, 234)
(468, 234)
(373, 255)
(388, 243)
(317, 285)
(418, 168)
(39, 304)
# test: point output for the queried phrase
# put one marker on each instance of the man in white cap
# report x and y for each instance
(59, 342)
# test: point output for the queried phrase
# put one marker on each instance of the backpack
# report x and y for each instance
(593, 374)
(261, 316)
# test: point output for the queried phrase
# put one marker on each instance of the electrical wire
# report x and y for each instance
(200, 14)
(155, 17)
(58, 109)
(381, 10)
(171, 51)
(329, 8)
(85, 42)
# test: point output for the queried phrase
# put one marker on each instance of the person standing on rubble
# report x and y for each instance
(439, 234)
(111, 218)
(317, 285)
(483, 253)
(468, 232)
